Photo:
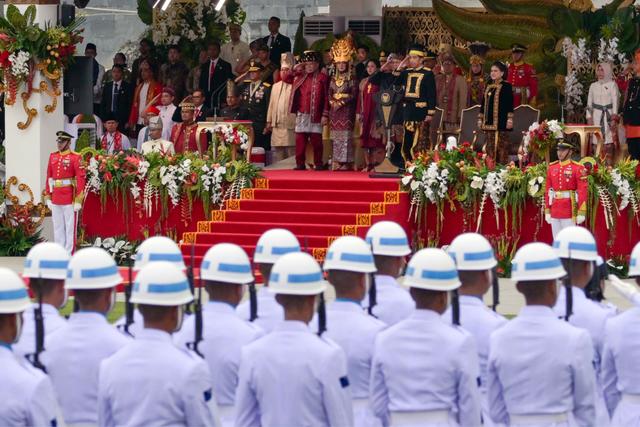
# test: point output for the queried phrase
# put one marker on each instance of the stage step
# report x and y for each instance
(319, 184)
(209, 239)
(270, 217)
(230, 228)
(317, 195)
(305, 206)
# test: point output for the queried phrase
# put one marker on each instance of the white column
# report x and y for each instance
(27, 151)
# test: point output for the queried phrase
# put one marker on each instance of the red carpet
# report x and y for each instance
(316, 206)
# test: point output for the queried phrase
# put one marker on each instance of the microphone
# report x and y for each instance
(217, 92)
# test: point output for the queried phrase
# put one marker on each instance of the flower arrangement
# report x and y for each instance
(231, 135)
(26, 48)
(119, 248)
(154, 178)
(541, 137)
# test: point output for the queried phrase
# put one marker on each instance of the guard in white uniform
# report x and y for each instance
(271, 246)
(225, 270)
(75, 351)
(390, 246)
(46, 268)
(156, 248)
(25, 392)
(425, 372)
(619, 373)
(152, 382)
(577, 249)
(291, 376)
(349, 264)
(540, 369)
(475, 261)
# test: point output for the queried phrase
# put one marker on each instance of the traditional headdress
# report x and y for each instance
(232, 88)
(155, 123)
(342, 50)
(187, 104)
(287, 60)
(478, 52)
(383, 57)
(311, 56)
(152, 110)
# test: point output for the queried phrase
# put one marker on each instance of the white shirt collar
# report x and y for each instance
(471, 300)
(537, 311)
(220, 307)
(88, 317)
(292, 326)
(429, 315)
(150, 334)
(344, 305)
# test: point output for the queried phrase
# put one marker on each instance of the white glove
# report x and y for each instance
(547, 217)
(625, 289)
(50, 205)
(389, 148)
(580, 219)
(76, 207)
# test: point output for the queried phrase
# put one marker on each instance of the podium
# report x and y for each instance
(210, 125)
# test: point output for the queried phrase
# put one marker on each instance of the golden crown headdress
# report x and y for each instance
(343, 50)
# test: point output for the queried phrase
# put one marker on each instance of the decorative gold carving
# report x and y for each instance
(363, 219)
(247, 194)
(39, 209)
(31, 112)
(218, 216)
(262, 183)
(204, 227)
(319, 254)
(188, 238)
(233, 204)
(392, 197)
(422, 24)
(349, 230)
(377, 208)
(331, 239)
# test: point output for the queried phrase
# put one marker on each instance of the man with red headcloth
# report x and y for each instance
(310, 103)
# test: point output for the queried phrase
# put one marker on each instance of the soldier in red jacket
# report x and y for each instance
(566, 191)
(310, 103)
(522, 77)
(64, 191)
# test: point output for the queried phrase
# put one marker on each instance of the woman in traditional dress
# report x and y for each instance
(279, 121)
(631, 111)
(602, 105)
(496, 114)
(371, 138)
(343, 92)
(476, 82)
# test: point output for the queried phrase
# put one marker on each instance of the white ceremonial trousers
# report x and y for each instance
(540, 372)
(425, 373)
(292, 376)
(64, 225)
(152, 382)
(72, 358)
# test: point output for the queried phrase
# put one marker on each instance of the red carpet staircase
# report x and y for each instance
(317, 207)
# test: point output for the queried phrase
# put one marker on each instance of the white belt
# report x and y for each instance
(631, 398)
(539, 418)
(399, 418)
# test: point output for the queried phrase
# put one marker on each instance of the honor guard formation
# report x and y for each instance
(407, 340)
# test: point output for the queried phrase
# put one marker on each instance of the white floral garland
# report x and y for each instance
(93, 182)
(608, 52)
(623, 188)
(172, 27)
(227, 132)
(173, 176)
(212, 180)
(578, 55)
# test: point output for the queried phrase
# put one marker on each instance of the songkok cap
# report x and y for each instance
(311, 56)
(110, 116)
(169, 90)
(517, 47)
(63, 135)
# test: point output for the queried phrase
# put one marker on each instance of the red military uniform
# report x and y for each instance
(522, 77)
(566, 190)
(184, 138)
(65, 178)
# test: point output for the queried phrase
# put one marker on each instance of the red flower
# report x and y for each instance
(107, 176)
(194, 178)
(4, 59)
(638, 171)
(462, 150)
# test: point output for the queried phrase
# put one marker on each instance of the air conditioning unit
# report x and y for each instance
(370, 26)
(318, 27)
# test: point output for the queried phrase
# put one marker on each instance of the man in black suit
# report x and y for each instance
(362, 56)
(213, 77)
(117, 97)
(201, 111)
(277, 43)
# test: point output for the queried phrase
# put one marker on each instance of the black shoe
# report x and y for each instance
(299, 168)
(322, 167)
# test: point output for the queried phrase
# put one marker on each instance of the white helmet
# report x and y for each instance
(432, 269)
(349, 253)
(472, 252)
(576, 243)
(388, 238)
(161, 283)
(296, 274)
(92, 268)
(634, 262)
(46, 260)
(228, 263)
(158, 248)
(13, 294)
(536, 262)
(273, 244)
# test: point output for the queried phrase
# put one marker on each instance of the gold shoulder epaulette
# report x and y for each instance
(265, 84)
(553, 163)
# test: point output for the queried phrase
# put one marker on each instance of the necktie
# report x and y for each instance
(212, 69)
(114, 99)
(271, 41)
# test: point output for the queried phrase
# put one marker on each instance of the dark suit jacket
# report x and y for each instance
(201, 117)
(280, 45)
(124, 102)
(220, 76)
